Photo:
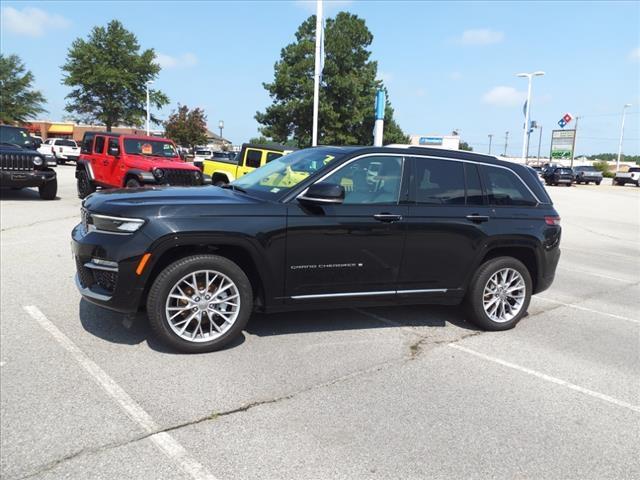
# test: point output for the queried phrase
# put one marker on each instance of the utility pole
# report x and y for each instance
(527, 111)
(539, 142)
(148, 111)
(490, 137)
(575, 141)
(624, 112)
(506, 142)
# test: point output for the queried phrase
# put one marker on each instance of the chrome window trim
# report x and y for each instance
(366, 294)
(414, 155)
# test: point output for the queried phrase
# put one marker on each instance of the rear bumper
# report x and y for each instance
(29, 178)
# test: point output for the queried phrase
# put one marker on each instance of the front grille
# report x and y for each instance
(16, 162)
(181, 177)
(84, 274)
(106, 279)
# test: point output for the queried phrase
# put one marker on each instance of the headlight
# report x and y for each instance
(37, 161)
(105, 223)
(158, 173)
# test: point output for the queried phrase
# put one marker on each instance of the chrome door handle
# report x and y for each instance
(387, 217)
(474, 217)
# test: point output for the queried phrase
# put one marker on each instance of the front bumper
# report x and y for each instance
(27, 178)
(111, 281)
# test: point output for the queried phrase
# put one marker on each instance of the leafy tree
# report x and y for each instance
(347, 90)
(465, 146)
(108, 74)
(262, 140)
(187, 127)
(612, 157)
(19, 101)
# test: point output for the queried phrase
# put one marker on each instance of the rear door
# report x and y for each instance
(446, 227)
(98, 160)
(353, 249)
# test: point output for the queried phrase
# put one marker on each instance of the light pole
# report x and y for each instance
(490, 137)
(221, 126)
(539, 142)
(148, 110)
(624, 113)
(525, 139)
(506, 142)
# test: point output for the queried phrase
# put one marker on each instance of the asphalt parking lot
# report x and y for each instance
(406, 392)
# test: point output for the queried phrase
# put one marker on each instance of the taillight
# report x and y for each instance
(552, 220)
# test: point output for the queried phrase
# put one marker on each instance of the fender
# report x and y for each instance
(230, 176)
(207, 239)
(86, 165)
(141, 175)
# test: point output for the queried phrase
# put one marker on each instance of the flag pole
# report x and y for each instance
(316, 75)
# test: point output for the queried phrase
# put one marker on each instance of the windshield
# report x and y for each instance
(153, 148)
(564, 171)
(16, 136)
(284, 173)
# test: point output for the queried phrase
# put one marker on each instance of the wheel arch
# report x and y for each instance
(169, 250)
(526, 253)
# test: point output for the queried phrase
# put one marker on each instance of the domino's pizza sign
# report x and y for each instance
(565, 120)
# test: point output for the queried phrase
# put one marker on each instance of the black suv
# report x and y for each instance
(559, 176)
(22, 166)
(318, 228)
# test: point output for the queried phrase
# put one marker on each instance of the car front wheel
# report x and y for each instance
(48, 190)
(499, 294)
(84, 185)
(200, 303)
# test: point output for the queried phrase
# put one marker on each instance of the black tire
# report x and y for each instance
(132, 183)
(48, 190)
(219, 183)
(165, 281)
(597, 183)
(84, 185)
(473, 302)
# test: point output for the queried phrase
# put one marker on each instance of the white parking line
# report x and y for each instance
(549, 378)
(163, 441)
(585, 309)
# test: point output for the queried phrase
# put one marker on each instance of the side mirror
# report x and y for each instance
(114, 151)
(322, 194)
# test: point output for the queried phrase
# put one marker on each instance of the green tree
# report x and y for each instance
(347, 90)
(19, 101)
(187, 127)
(108, 76)
(465, 146)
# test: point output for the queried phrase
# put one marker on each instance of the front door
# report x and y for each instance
(98, 159)
(353, 249)
(446, 227)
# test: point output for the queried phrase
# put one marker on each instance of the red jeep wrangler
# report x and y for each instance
(113, 160)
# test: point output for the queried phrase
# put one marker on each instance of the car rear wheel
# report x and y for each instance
(48, 190)
(499, 294)
(200, 303)
(84, 185)
(597, 183)
(132, 183)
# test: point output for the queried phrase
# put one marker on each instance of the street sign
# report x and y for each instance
(566, 118)
(562, 144)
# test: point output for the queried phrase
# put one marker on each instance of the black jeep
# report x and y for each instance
(22, 166)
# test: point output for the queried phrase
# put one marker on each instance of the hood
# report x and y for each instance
(151, 201)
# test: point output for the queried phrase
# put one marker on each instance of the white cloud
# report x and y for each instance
(182, 61)
(504, 97)
(480, 36)
(31, 21)
(634, 55)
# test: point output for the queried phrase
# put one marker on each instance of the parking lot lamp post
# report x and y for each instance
(539, 141)
(148, 109)
(624, 113)
(490, 138)
(525, 139)
(221, 126)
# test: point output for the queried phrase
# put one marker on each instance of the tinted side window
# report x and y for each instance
(273, 156)
(98, 146)
(370, 180)
(86, 143)
(474, 188)
(253, 158)
(505, 188)
(113, 143)
(438, 182)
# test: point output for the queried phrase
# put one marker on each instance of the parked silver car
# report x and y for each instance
(587, 174)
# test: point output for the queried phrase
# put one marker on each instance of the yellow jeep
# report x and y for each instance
(250, 157)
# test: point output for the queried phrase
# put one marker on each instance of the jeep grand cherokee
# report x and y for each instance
(318, 228)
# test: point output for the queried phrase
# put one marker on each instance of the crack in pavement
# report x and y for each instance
(37, 222)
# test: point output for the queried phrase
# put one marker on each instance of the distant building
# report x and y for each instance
(450, 142)
(50, 129)
(216, 142)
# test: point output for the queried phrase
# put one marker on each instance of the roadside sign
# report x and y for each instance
(566, 118)
(562, 144)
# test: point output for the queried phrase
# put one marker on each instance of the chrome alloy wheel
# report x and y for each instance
(503, 295)
(202, 306)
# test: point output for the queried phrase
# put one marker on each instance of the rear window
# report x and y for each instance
(66, 143)
(634, 169)
(504, 188)
(202, 153)
(151, 148)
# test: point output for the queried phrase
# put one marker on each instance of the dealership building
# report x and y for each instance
(450, 142)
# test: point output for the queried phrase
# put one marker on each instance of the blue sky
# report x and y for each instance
(447, 65)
